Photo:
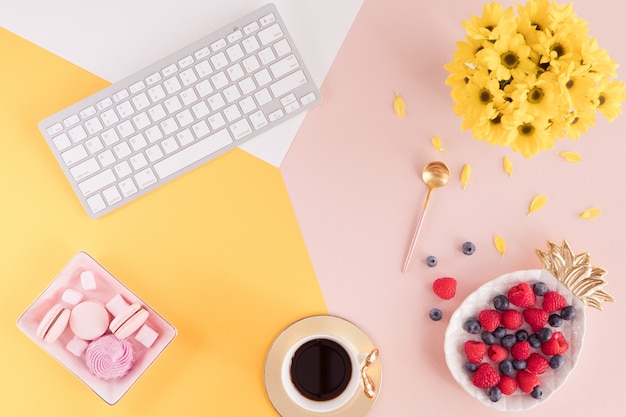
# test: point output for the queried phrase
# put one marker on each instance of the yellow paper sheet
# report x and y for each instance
(217, 252)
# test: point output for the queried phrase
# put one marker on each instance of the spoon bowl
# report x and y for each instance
(435, 175)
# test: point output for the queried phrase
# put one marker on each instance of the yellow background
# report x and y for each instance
(217, 252)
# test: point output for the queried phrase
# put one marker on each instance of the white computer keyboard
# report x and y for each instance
(180, 112)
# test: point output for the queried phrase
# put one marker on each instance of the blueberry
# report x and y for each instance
(537, 392)
(519, 364)
(470, 367)
(556, 361)
(508, 341)
(555, 320)
(472, 326)
(568, 313)
(506, 367)
(431, 261)
(435, 314)
(521, 335)
(468, 248)
(488, 338)
(534, 341)
(540, 288)
(544, 334)
(500, 332)
(500, 302)
(495, 394)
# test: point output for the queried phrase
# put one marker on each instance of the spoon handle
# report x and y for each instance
(416, 233)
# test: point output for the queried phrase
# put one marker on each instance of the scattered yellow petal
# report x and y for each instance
(500, 244)
(590, 213)
(508, 165)
(570, 156)
(399, 106)
(537, 203)
(437, 144)
(465, 174)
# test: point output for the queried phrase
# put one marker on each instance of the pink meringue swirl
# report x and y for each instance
(109, 357)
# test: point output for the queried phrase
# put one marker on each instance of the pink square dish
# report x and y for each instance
(66, 289)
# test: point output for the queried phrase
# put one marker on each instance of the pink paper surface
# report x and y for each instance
(354, 177)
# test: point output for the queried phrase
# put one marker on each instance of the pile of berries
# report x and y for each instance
(519, 340)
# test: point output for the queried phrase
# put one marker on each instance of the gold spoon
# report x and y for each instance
(435, 175)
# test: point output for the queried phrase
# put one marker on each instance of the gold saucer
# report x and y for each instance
(369, 375)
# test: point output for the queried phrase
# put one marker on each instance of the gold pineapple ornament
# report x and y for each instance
(576, 273)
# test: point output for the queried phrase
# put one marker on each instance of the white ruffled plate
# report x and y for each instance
(481, 299)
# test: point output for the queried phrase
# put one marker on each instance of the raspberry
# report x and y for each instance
(536, 317)
(511, 319)
(527, 381)
(497, 353)
(557, 345)
(522, 295)
(553, 301)
(507, 384)
(521, 351)
(537, 364)
(489, 319)
(485, 376)
(445, 287)
(475, 351)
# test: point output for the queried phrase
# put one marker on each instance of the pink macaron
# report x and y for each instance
(129, 321)
(53, 323)
(89, 320)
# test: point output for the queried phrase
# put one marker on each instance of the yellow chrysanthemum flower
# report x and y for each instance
(578, 122)
(481, 96)
(494, 22)
(537, 13)
(610, 97)
(507, 57)
(578, 86)
(528, 134)
(536, 95)
(599, 61)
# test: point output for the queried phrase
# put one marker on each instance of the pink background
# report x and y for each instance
(353, 174)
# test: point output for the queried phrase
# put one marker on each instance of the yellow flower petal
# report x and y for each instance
(570, 156)
(537, 203)
(590, 213)
(437, 144)
(508, 165)
(500, 244)
(399, 106)
(465, 174)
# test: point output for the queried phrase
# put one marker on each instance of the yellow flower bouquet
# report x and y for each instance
(528, 79)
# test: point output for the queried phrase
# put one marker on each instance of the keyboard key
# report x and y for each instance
(85, 169)
(170, 145)
(202, 53)
(127, 187)
(267, 19)
(219, 80)
(258, 120)
(282, 47)
(62, 141)
(219, 61)
(235, 52)
(235, 36)
(169, 70)
(276, 115)
(204, 88)
(216, 121)
(157, 113)
(77, 133)
(250, 28)
(185, 62)
(266, 56)
(141, 120)
(138, 142)
(96, 203)
(136, 87)
(284, 66)
(192, 154)
(216, 101)
(218, 44)
(109, 117)
(112, 195)
(145, 178)
(120, 95)
(110, 137)
(250, 44)
(184, 118)
(153, 79)
(184, 137)
(122, 150)
(123, 169)
(188, 77)
(231, 93)
(154, 153)
(188, 96)
(173, 104)
(125, 129)
(263, 96)
(153, 134)
(138, 161)
(232, 113)
(87, 112)
(97, 182)
(200, 110)
(288, 83)
(104, 103)
(141, 101)
(93, 126)
(235, 72)
(125, 109)
(203, 69)
(200, 129)
(106, 158)
(308, 98)
(71, 121)
(54, 129)
(169, 126)
(94, 145)
(270, 34)
(251, 64)
(247, 104)
(157, 93)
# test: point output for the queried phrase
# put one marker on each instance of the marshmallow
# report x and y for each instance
(146, 335)
(117, 305)
(88, 280)
(77, 346)
(71, 296)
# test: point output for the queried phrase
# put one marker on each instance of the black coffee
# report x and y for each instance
(321, 369)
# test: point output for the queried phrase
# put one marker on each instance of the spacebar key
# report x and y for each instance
(192, 153)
